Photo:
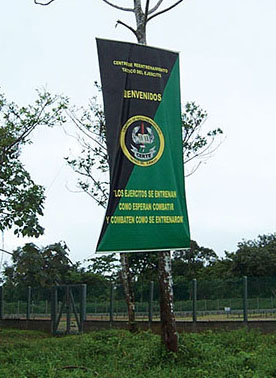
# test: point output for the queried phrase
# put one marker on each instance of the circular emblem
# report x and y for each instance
(142, 141)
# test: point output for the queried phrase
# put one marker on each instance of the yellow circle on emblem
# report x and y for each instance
(143, 159)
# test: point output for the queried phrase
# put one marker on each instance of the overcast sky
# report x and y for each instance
(228, 60)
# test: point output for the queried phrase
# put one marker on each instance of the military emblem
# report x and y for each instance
(142, 141)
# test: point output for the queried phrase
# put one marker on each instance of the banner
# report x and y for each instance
(147, 207)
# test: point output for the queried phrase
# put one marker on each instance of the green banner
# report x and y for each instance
(147, 206)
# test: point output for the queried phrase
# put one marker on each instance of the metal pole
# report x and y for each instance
(194, 299)
(245, 300)
(54, 306)
(68, 310)
(151, 302)
(29, 296)
(1, 303)
(111, 307)
(83, 305)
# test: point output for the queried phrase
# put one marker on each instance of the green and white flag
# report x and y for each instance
(147, 206)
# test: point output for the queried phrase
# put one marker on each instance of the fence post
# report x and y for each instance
(1, 303)
(83, 305)
(151, 302)
(29, 296)
(245, 300)
(54, 305)
(83, 302)
(68, 309)
(194, 299)
(111, 303)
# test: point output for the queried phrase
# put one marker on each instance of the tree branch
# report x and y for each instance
(29, 128)
(117, 6)
(205, 154)
(38, 3)
(193, 130)
(2, 250)
(147, 11)
(155, 7)
(98, 201)
(127, 26)
(88, 174)
(165, 10)
(193, 170)
(81, 127)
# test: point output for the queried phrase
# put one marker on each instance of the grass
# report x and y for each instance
(119, 354)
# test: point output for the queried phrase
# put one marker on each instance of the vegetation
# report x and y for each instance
(21, 200)
(144, 11)
(218, 278)
(117, 353)
(34, 266)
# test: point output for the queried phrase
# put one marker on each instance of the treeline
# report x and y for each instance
(217, 277)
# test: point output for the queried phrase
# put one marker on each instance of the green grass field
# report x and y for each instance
(119, 354)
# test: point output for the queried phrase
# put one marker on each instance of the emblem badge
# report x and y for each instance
(142, 141)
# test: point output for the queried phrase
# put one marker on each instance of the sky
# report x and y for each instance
(228, 59)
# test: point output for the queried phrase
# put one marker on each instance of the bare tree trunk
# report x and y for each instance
(168, 327)
(128, 290)
(140, 17)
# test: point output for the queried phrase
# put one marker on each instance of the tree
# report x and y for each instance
(92, 163)
(169, 336)
(106, 266)
(34, 266)
(142, 17)
(92, 167)
(254, 258)
(192, 262)
(198, 144)
(21, 200)
(143, 266)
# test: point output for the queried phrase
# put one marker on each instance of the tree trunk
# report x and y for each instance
(168, 327)
(128, 290)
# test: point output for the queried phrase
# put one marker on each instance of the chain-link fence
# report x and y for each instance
(232, 299)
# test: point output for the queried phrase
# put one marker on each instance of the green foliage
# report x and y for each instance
(255, 258)
(143, 264)
(21, 200)
(198, 146)
(106, 266)
(192, 262)
(117, 353)
(34, 266)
